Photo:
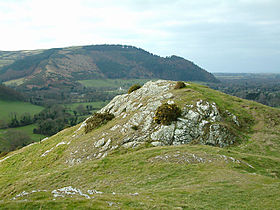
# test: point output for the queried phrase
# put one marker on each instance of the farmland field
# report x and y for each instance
(6, 107)
(95, 105)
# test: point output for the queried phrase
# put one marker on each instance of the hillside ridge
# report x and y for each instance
(131, 161)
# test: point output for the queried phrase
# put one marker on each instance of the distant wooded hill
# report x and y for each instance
(64, 66)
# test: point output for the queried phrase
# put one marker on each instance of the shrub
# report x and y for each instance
(97, 120)
(180, 85)
(133, 88)
(166, 113)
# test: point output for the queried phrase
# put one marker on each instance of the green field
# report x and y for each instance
(113, 83)
(27, 129)
(18, 107)
(8, 107)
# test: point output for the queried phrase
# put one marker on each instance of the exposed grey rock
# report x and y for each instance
(164, 134)
(99, 143)
(200, 122)
(99, 155)
(157, 143)
(234, 118)
(114, 147)
(104, 155)
(218, 135)
(148, 123)
(131, 144)
(170, 102)
(132, 102)
(192, 116)
(115, 127)
(106, 146)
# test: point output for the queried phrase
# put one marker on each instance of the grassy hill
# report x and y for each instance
(63, 66)
(245, 175)
(8, 57)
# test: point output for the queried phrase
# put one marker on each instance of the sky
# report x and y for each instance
(218, 35)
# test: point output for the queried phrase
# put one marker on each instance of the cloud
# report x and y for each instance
(219, 35)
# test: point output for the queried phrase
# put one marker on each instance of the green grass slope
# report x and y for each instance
(243, 176)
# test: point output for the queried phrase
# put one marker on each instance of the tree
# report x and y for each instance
(16, 139)
(81, 110)
(14, 121)
(26, 119)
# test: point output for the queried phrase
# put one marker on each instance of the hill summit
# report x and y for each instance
(160, 146)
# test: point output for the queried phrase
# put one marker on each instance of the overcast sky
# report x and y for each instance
(218, 35)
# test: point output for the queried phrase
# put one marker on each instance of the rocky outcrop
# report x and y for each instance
(201, 122)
